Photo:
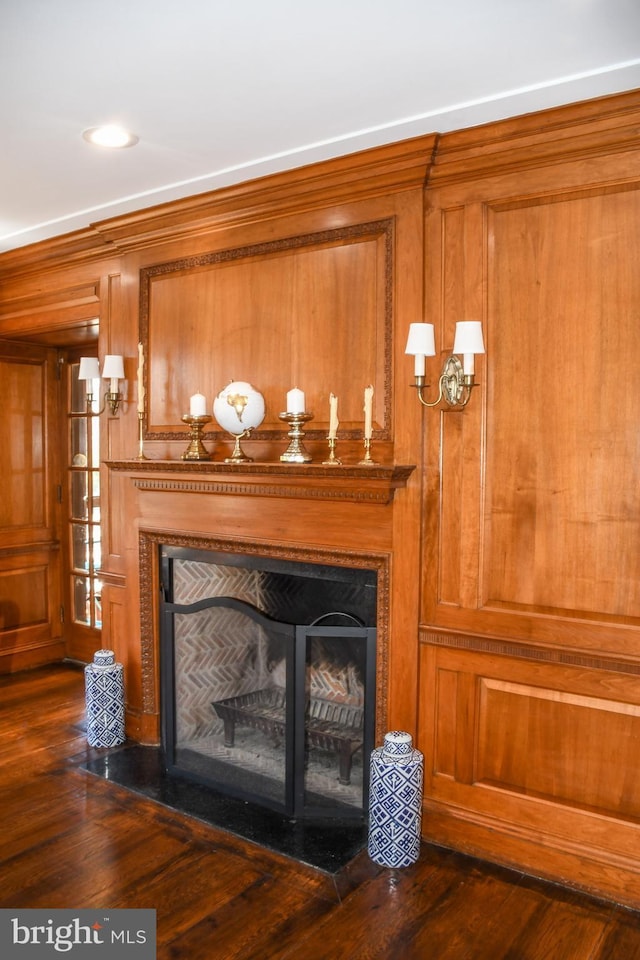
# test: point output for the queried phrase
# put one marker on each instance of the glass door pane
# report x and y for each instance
(335, 690)
(83, 493)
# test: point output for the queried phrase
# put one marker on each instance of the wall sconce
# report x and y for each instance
(112, 370)
(457, 379)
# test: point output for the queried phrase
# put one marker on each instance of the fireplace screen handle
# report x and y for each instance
(337, 613)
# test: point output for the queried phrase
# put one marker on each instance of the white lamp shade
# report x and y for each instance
(468, 337)
(113, 368)
(89, 369)
(421, 340)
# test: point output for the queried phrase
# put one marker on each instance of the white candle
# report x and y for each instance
(198, 405)
(295, 401)
(368, 412)
(140, 378)
(333, 417)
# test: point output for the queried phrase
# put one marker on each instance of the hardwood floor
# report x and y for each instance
(73, 840)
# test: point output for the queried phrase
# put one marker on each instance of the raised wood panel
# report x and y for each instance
(22, 437)
(27, 399)
(562, 466)
(23, 597)
(30, 628)
(532, 759)
(532, 492)
(559, 745)
(311, 311)
(548, 733)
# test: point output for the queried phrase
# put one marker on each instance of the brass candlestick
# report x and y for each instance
(295, 452)
(196, 449)
(141, 453)
(366, 460)
(333, 461)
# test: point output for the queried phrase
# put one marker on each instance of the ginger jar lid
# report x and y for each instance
(398, 745)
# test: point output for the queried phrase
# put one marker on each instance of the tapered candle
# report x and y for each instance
(333, 417)
(368, 412)
(198, 405)
(295, 401)
(140, 378)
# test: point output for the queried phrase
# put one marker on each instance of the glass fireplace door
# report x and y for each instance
(334, 718)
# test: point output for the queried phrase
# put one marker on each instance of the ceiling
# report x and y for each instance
(219, 92)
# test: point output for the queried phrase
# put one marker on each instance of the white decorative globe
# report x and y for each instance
(239, 407)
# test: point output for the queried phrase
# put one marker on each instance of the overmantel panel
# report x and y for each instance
(313, 309)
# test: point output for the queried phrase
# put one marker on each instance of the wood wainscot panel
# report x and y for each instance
(533, 763)
(30, 629)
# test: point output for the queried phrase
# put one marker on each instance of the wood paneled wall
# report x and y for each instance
(531, 592)
(514, 598)
(30, 594)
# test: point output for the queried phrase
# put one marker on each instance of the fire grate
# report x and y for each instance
(335, 727)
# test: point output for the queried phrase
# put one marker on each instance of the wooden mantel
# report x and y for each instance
(373, 484)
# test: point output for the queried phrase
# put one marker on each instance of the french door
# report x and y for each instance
(81, 510)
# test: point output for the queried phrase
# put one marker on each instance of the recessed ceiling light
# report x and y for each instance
(110, 136)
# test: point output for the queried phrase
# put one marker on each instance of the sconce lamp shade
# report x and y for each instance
(421, 340)
(113, 368)
(89, 369)
(468, 337)
(468, 342)
(421, 343)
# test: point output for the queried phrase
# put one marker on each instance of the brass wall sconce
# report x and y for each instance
(112, 370)
(457, 378)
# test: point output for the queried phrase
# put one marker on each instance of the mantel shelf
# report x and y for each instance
(376, 483)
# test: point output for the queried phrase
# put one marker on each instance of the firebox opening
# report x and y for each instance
(268, 678)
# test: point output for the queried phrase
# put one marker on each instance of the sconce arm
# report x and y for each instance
(454, 386)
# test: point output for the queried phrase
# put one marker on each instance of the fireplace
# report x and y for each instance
(268, 678)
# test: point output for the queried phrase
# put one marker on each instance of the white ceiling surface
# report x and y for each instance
(222, 91)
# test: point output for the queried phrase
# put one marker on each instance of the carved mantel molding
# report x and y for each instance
(359, 484)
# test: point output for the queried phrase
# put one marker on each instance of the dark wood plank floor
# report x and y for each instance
(72, 840)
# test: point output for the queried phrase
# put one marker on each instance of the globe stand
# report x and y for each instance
(296, 452)
(238, 455)
(196, 449)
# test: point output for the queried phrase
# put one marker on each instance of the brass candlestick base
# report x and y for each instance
(295, 452)
(366, 460)
(333, 460)
(141, 453)
(238, 455)
(196, 449)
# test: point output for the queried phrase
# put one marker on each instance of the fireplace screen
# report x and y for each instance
(264, 697)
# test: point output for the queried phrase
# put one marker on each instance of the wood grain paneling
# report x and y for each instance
(29, 538)
(532, 494)
(533, 760)
(532, 740)
(308, 311)
(562, 522)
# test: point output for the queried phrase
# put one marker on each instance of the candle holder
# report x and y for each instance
(333, 461)
(141, 453)
(366, 460)
(295, 452)
(196, 449)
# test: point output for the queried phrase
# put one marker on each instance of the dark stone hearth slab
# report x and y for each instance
(328, 845)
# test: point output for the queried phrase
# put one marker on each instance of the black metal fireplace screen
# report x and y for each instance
(280, 713)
